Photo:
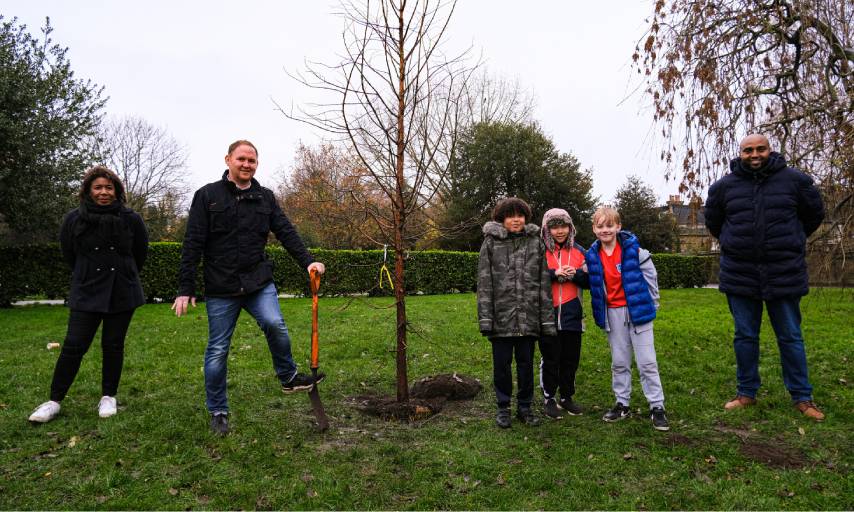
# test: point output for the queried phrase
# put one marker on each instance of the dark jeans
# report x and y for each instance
(82, 327)
(559, 363)
(785, 316)
(502, 359)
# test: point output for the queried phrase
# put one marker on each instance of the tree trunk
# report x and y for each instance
(399, 217)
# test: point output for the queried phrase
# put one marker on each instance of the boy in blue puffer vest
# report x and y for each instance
(624, 298)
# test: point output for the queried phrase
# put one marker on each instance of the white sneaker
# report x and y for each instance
(45, 412)
(107, 407)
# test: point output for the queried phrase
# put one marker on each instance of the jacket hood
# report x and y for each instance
(557, 214)
(776, 162)
(496, 230)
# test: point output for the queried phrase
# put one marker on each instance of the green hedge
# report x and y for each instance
(683, 271)
(38, 270)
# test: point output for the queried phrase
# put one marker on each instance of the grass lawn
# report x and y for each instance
(157, 453)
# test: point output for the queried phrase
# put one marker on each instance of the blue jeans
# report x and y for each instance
(785, 316)
(263, 305)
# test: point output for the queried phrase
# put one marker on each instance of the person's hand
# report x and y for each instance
(569, 272)
(180, 304)
(319, 267)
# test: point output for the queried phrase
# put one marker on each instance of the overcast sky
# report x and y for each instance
(209, 71)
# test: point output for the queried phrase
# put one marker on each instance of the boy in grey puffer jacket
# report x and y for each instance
(514, 303)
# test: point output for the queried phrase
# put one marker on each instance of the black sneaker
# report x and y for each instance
(552, 410)
(219, 424)
(572, 408)
(502, 419)
(302, 382)
(659, 420)
(527, 416)
(617, 413)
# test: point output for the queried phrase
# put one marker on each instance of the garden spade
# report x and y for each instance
(313, 395)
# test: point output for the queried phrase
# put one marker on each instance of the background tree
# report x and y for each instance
(327, 195)
(166, 218)
(716, 71)
(152, 166)
(46, 118)
(395, 95)
(641, 214)
(495, 160)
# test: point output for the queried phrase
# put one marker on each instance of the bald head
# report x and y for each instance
(755, 150)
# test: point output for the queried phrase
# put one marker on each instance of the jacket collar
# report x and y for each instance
(776, 162)
(232, 187)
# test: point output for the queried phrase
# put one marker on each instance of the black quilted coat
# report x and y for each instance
(762, 218)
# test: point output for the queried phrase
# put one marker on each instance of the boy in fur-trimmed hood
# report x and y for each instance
(513, 303)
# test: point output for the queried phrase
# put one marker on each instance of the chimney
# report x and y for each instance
(675, 200)
(695, 204)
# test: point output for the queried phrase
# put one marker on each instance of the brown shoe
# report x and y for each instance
(738, 402)
(810, 410)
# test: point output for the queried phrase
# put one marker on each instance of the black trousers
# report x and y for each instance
(561, 354)
(502, 359)
(82, 327)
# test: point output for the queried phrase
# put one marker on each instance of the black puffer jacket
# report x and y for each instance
(514, 289)
(762, 219)
(105, 271)
(229, 227)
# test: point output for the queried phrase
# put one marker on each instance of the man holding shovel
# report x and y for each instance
(228, 225)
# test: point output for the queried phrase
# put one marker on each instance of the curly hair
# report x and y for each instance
(511, 206)
(100, 171)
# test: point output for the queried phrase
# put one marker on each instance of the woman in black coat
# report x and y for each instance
(105, 244)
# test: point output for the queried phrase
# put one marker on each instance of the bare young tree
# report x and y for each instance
(716, 71)
(396, 95)
(150, 162)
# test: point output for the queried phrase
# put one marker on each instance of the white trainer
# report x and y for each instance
(107, 407)
(45, 412)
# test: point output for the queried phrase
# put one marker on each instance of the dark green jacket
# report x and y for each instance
(514, 291)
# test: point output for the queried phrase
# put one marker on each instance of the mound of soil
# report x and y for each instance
(426, 398)
(450, 386)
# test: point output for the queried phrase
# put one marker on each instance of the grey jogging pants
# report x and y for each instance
(626, 338)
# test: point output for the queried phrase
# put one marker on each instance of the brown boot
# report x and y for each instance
(738, 402)
(810, 410)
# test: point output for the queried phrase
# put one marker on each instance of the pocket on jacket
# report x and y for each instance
(262, 219)
(220, 219)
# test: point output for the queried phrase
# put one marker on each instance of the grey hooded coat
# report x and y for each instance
(514, 291)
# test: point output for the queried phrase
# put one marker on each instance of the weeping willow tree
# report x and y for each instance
(716, 71)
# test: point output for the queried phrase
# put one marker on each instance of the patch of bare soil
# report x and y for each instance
(427, 397)
(387, 407)
(774, 454)
(777, 456)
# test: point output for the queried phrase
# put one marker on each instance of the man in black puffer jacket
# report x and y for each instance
(762, 213)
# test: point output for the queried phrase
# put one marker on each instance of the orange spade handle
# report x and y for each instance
(314, 278)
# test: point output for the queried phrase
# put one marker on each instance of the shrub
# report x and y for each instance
(682, 271)
(39, 270)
